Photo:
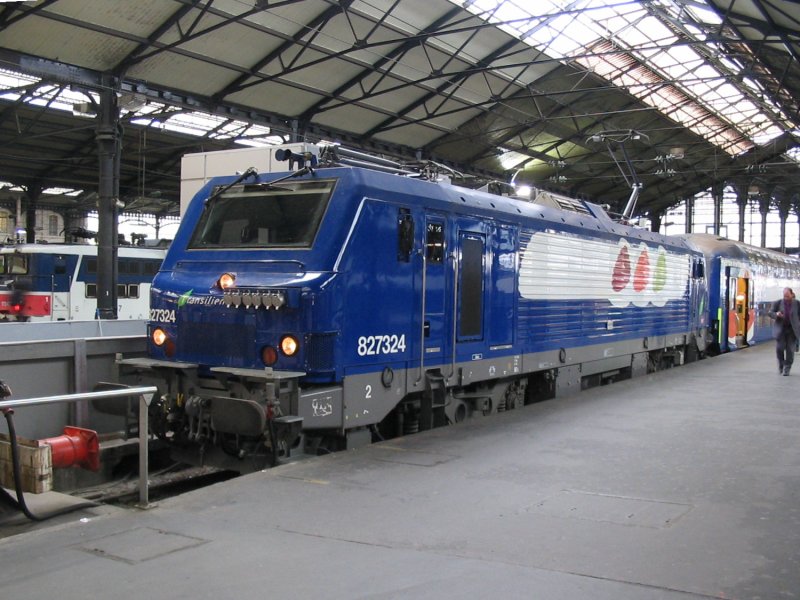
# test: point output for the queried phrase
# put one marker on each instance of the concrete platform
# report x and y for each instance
(679, 485)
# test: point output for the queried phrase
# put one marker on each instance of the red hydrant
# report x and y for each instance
(77, 446)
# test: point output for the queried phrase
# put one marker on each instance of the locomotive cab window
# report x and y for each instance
(405, 235)
(284, 215)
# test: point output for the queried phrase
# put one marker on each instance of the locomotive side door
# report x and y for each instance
(468, 302)
(471, 287)
(434, 326)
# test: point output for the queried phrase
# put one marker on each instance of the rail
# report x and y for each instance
(145, 394)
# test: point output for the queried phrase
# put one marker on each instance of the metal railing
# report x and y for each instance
(145, 394)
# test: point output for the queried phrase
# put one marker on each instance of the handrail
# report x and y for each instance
(454, 258)
(145, 394)
(422, 318)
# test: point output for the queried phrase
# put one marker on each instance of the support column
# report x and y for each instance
(67, 216)
(108, 166)
(716, 194)
(763, 207)
(34, 190)
(689, 204)
(796, 206)
(655, 221)
(783, 211)
(742, 198)
(18, 220)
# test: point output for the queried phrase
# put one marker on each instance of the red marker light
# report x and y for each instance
(269, 355)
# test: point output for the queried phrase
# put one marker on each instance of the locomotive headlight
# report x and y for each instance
(159, 336)
(226, 280)
(289, 345)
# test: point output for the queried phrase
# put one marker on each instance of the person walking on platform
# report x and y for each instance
(785, 329)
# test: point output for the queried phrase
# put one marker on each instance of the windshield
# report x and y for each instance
(15, 264)
(286, 214)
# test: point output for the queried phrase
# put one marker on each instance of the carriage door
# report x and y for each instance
(59, 286)
(743, 311)
(737, 304)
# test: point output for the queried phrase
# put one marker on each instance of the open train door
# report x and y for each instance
(739, 308)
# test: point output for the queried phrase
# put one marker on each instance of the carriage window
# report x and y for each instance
(133, 290)
(15, 264)
(283, 215)
(122, 290)
(59, 265)
(91, 290)
(151, 267)
(91, 265)
(129, 266)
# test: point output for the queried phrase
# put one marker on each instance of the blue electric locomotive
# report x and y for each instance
(349, 304)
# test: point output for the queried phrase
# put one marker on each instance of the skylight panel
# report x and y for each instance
(634, 37)
(669, 65)
(751, 84)
(11, 83)
(510, 159)
(705, 71)
(62, 191)
(561, 44)
(703, 15)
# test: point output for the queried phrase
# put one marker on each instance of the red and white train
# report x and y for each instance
(58, 282)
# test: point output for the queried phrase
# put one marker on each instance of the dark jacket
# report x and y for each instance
(794, 317)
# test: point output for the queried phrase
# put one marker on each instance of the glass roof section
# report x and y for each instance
(18, 87)
(658, 51)
(31, 90)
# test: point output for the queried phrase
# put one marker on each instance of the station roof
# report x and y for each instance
(587, 97)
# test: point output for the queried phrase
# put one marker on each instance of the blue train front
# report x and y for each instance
(341, 305)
